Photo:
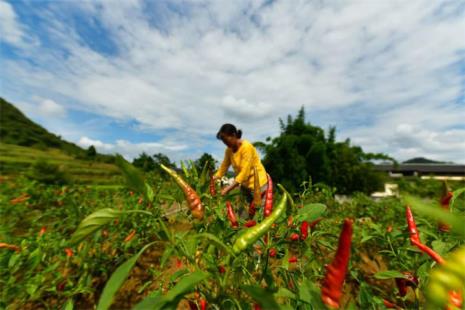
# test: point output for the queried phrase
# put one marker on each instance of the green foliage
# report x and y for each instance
(94, 222)
(17, 129)
(48, 173)
(152, 163)
(117, 279)
(91, 152)
(144, 162)
(172, 298)
(206, 160)
(303, 151)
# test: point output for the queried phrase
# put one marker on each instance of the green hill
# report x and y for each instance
(23, 143)
(422, 160)
(16, 128)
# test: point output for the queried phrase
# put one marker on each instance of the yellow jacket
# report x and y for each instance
(243, 161)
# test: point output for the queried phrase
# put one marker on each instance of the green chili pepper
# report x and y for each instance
(254, 233)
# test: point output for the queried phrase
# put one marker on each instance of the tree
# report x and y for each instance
(144, 162)
(91, 152)
(303, 151)
(205, 159)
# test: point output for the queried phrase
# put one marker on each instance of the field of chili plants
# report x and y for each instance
(172, 242)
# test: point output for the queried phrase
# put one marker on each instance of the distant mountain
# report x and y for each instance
(17, 129)
(422, 160)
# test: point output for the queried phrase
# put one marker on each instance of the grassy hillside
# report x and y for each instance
(16, 160)
(16, 128)
(23, 143)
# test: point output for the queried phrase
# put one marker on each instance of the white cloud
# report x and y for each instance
(131, 150)
(49, 108)
(242, 110)
(251, 63)
(11, 32)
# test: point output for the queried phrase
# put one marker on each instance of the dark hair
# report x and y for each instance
(229, 130)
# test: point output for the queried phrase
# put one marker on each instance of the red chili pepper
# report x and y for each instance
(22, 198)
(221, 269)
(256, 307)
(231, 215)
(250, 223)
(130, 236)
(203, 304)
(61, 286)
(268, 198)
(292, 259)
(455, 299)
(195, 205)
(445, 201)
(252, 209)
(331, 291)
(273, 252)
(304, 230)
(295, 237)
(42, 231)
(415, 238)
(212, 186)
(389, 304)
(9, 246)
(69, 252)
(178, 263)
(403, 283)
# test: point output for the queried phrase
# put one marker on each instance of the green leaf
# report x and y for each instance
(134, 178)
(262, 296)
(153, 301)
(178, 274)
(217, 241)
(284, 292)
(311, 212)
(93, 222)
(69, 305)
(117, 279)
(315, 295)
(150, 195)
(184, 169)
(194, 170)
(441, 247)
(304, 292)
(389, 274)
(184, 286)
(204, 174)
(456, 195)
(166, 254)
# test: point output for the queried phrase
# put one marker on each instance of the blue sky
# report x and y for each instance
(163, 76)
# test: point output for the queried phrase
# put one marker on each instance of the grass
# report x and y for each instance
(16, 160)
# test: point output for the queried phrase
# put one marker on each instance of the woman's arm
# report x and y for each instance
(224, 166)
(229, 188)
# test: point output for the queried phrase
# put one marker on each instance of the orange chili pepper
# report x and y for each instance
(130, 236)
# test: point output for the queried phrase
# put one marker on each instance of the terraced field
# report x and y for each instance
(16, 160)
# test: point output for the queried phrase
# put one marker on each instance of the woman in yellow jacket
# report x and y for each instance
(243, 156)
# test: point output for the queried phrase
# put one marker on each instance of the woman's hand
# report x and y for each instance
(229, 188)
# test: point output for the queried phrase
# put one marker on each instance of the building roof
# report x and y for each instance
(423, 168)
